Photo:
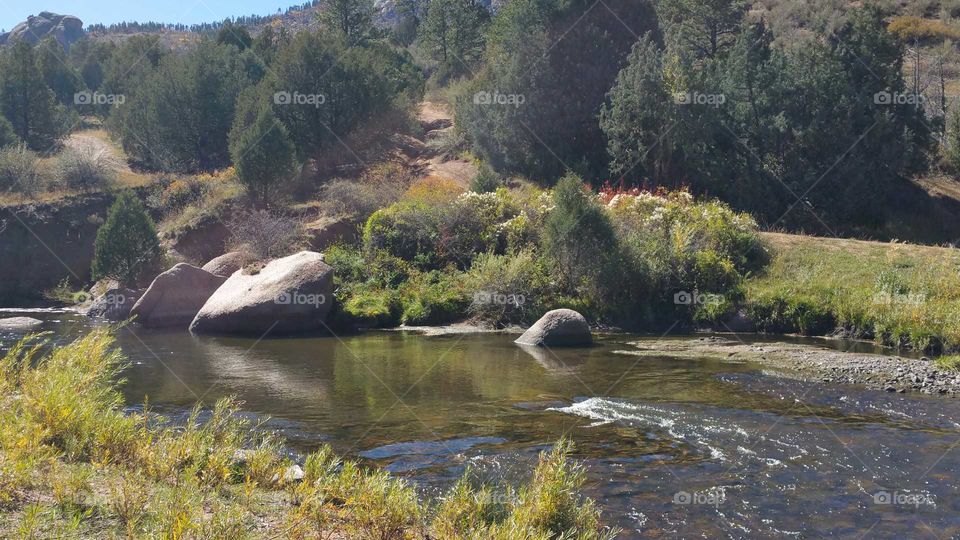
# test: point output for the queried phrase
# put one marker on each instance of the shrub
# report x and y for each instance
(126, 246)
(672, 243)
(433, 298)
(373, 307)
(508, 289)
(579, 239)
(486, 180)
(264, 234)
(85, 167)
(917, 29)
(378, 187)
(20, 170)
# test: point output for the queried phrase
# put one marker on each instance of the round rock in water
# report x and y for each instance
(558, 328)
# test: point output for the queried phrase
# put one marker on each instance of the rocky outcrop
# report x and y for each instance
(288, 295)
(326, 231)
(558, 328)
(114, 304)
(228, 263)
(175, 296)
(19, 324)
(66, 29)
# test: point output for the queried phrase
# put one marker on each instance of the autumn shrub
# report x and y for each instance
(917, 29)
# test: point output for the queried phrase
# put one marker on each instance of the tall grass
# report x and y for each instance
(895, 294)
(72, 464)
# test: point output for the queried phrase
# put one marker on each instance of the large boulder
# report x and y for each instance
(175, 296)
(288, 295)
(66, 29)
(19, 324)
(228, 263)
(114, 304)
(558, 328)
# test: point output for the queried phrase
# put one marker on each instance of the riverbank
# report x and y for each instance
(880, 372)
(899, 295)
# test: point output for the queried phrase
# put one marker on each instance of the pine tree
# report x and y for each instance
(260, 147)
(352, 19)
(27, 102)
(127, 245)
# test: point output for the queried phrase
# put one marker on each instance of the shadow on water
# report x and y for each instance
(673, 447)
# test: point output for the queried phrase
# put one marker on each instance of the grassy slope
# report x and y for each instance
(900, 294)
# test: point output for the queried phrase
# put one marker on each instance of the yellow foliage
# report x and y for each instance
(910, 28)
(434, 190)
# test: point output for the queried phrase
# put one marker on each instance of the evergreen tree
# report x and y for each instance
(7, 136)
(232, 34)
(59, 76)
(126, 247)
(452, 31)
(351, 19)
(27, 102)
(705, 27)
(180, 117)
(579, 237)
(260, 147)
(551, 64)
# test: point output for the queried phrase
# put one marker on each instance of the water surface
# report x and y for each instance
(672, 447)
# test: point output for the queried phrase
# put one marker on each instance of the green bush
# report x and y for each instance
(509, 289)
(580, 242)
(373, 307)
(126, 247)
(435, 297)
(486, 180)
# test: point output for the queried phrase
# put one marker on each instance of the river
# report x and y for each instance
(673, 447)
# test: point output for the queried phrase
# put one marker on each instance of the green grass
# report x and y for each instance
(949, 361)
(72, 464)
(896, 294)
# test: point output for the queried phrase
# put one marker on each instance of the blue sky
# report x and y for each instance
(111, 11)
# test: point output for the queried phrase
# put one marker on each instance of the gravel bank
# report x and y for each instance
(889, 373)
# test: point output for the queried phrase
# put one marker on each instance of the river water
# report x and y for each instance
(673, 448)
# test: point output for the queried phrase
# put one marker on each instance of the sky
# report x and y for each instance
(166, 11)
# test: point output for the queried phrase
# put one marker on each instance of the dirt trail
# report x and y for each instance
(437, 123)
